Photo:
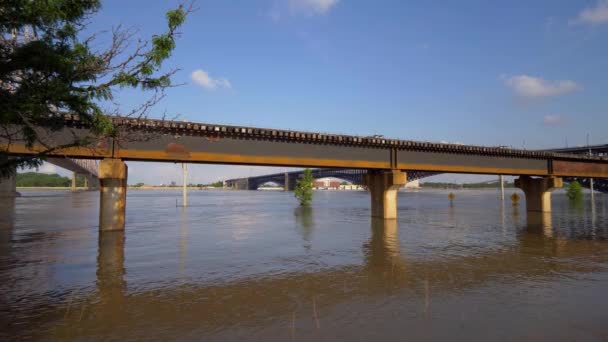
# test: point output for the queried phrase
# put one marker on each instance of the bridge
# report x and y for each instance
(85, 167)
(598, 150)
(357, 176)
(288, 179)
(386, 160)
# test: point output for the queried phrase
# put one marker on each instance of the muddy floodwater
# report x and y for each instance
(251, 265)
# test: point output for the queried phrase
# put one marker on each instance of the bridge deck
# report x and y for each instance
(155, 140)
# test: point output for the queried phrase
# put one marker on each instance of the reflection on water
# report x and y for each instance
(305, 224)
(111, 285)
(471, 270)
(540, 222)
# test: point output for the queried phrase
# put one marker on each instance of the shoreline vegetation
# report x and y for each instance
(46, 180)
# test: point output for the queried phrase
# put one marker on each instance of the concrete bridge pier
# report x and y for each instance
(74, 176)
(538, 192)
(8, 185)
(383, 186)
(91, 182)
(286, 185)
(113, 194)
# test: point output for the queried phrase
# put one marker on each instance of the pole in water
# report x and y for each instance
(502, 187)
(185, 183)
(590, 179)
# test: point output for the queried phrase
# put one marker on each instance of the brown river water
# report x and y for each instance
(251, 265)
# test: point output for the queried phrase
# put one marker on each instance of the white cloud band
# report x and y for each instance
(202, 78)
(553, 120)
(312, 7)
(595, 15)
(536, 87)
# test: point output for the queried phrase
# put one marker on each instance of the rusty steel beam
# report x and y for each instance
(579, 169)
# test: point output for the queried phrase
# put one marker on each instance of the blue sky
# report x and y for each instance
(521, 73)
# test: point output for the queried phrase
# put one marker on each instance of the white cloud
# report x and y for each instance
(285, 8)
(536, 87)
(594, 15)
(202, 78)
(553, 120)
(312, 7)
(47, 168)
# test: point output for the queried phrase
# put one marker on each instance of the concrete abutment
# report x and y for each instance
(538, 192)
(113, 194)
(383, 187)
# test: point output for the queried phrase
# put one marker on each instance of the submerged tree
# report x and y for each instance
(49, 68)
(303, 189)
(574, 190)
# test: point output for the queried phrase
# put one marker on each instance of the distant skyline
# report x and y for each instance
(526, 74)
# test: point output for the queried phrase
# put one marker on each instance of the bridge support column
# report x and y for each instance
(113, 194)
(74, 181)
(538, 192)
(383, 187)
(8, 185)
(286, 188)
(91, 182)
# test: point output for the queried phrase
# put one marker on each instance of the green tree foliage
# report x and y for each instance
(218, 184)
(49, 67)
(44, 179)
(303, 189)
(574, 191)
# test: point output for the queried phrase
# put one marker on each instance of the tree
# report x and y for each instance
(574, 190)
(49, 68)
(303, 189)
(218, 184)
(43, 179)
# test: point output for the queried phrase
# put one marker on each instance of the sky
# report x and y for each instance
(526, 74)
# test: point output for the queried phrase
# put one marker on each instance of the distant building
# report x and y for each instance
(326, 184)
(332, 184)
(351, 187)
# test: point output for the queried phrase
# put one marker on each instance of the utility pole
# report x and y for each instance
(502, 187)
(590, 179)
(185, 185)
